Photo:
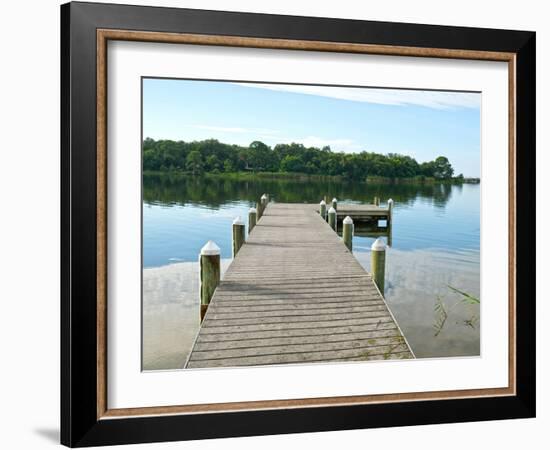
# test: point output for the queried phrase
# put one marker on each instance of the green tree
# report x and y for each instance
(292, 164)
(427, 169)
(260, 157)
(194, 162)
(228, 166)
(211, 155)
(212, 163)
(442, 168)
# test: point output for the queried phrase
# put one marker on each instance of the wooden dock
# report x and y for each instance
(295, 294)
(360, 213)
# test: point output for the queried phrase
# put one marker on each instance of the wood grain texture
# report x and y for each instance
(103, 35)
(294, 258)
(291, 44)
(359, 212)
(512, 198)
(101, 223)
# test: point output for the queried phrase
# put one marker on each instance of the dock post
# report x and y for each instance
(263, 202)
(347, 233)
(335, 203)
(258, 210)
(209, 263)
(390, 211)
(252, 214)
(332, 218)
(378, 263)
(390, 221)
(377, 201)
(238, 235)
(323, 209)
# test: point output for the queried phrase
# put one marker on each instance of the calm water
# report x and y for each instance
(435, 244)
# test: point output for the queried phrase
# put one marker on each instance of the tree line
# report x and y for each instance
(212, 156)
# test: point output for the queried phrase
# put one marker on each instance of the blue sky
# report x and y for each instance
(422, 124)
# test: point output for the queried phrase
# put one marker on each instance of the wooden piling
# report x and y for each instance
(209, 262)
(261, 206)
(376, 201)
(347, 233)
(332, 218)
(259, 210)
(238, 235)
(378, 263)
(323, 209)
(252, 215)
(390, 211)
(335, 204)
(390, 221)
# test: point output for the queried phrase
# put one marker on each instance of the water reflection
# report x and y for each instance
(372, 231)
(214, 192)
(434, 244)
(170, 314)
(414, 282)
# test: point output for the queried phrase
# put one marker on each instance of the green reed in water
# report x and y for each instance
(442, 311)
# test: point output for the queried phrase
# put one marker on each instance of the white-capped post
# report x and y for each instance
(238, 235)
(335, 203)
(389, 223)
(332, 218)
(323, 209)
(378, 263)
(252, 213)
(261, 205)
(209, 262)
(347, 232)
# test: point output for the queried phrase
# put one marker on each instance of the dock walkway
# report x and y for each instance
(295, 294)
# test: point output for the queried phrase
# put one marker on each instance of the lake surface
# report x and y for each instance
(434, 245)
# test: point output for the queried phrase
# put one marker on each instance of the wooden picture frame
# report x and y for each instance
(85, 417)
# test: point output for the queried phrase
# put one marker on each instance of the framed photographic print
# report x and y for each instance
(277, 224)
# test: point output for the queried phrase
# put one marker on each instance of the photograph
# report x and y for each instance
(305, 224)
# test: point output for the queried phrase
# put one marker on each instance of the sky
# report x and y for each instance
(421, 124)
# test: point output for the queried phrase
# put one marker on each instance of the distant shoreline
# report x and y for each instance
(211, 156)
(249, 176)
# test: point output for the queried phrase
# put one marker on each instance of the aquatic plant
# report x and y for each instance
(441, 311)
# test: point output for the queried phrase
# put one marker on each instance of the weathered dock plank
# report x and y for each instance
(383, 337)
(361, 353)
(376, 322)
(374, 328)
(359, 212)
(295, 294)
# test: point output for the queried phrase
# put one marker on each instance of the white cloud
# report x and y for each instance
(396, 97)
